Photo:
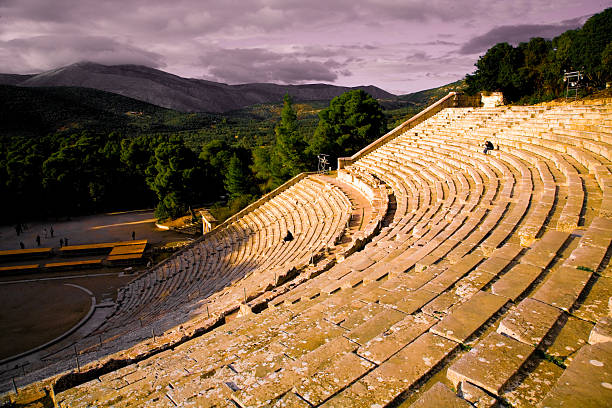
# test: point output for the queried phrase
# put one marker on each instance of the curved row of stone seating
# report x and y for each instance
(475, 282)
(250, 247)
(246, 257)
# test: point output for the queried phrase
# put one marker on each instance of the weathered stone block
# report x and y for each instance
(529, 321)
(491, 363)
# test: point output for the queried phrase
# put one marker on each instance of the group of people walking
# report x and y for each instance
(47, 233)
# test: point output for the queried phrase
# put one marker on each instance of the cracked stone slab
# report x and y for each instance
(375, 326)
(596, 303)
(491, 363)
(571, 337)
(468, 317)
(326, 382)
(477, 396)
(533, 388)
(529, 321)
(440, 396)
(289, 400)
(602, 332)
(587, 381)
(389, 342)
(275, 384)
(396, 375)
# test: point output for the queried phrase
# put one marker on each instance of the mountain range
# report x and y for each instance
(182, 94)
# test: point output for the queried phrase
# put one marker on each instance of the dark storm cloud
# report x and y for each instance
(260, 65)
(514, 34)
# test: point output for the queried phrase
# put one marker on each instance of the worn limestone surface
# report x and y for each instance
(595, 305)
(534, 387)
(492, 363)
(514, 282)
(562, 287)
(529, 321)
(469, 316)
(587, 381)
(397, 374)
(602, 332)
(571, 337)
(440, 396)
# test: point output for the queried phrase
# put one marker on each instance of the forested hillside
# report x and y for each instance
(533, 71)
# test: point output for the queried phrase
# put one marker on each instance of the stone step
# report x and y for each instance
(325, 382)
(278, 383)
(529, 321)
(396, 375)
(514, 282)
(538, 380)
(290, 399)
(440, 396)
(562, 287)
(491, 363)
(373, 327)
(389, 342)
(468, 317)
(587, 381)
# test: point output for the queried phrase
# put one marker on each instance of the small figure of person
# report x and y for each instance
(488, 146)
(21, 245)
(133, 235)
(65, 241)
(38, 240)
(51, 231)
(18, 229)
(61, 242)
(288, 237)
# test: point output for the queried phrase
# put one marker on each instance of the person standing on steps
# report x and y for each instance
(38, 240)
(133, 235)
(21, 245)
(51, 231)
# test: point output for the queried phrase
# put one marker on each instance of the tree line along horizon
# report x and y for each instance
(87, 172)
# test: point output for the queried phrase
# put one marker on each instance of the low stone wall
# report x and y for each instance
(452, 100)
(264, 199)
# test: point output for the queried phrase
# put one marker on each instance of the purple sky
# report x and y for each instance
(400, 46)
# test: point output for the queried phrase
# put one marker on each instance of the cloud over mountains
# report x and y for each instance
(284, 41)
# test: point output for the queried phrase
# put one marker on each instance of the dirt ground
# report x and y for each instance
(36, 308)
(36, 312)
(108, 227)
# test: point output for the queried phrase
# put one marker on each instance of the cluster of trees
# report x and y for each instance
(84, 173)
(351, 121)
(533, 71)
(63, 175)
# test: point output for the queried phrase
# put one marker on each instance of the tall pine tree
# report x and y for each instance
(288, 156)
(236, 180)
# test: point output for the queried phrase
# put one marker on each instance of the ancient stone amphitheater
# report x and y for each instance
(426, 274)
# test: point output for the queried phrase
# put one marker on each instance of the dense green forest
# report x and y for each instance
(231, 158)
(533, 71)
